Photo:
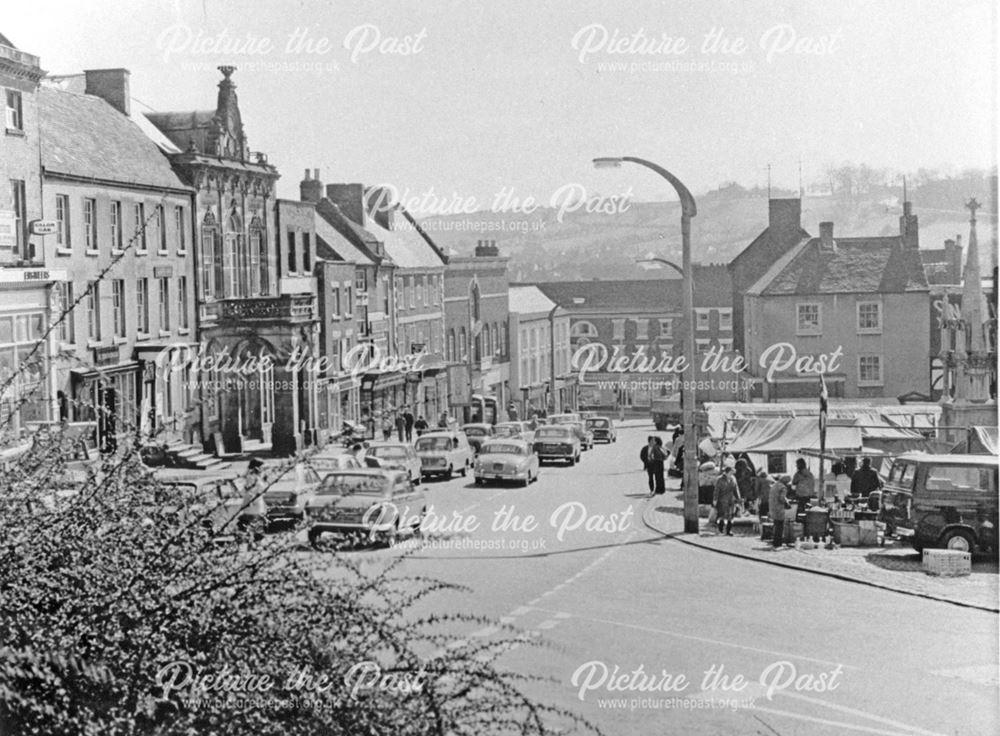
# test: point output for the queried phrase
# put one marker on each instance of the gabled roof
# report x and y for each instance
(83, 136)
(333, 245)
(856, 265)
(404, 244)
(528, 300)
(625, 297)
(335, 228)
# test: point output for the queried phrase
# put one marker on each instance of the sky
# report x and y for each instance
(464, 105)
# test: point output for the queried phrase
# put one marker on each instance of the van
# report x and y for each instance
(946, 501)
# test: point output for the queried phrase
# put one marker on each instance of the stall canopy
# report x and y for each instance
(981, 441)
(791, 434)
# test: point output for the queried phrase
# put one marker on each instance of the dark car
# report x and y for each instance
(557, 442)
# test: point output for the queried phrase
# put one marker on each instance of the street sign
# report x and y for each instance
(43, 227)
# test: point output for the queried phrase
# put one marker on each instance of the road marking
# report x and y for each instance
(704, 640)
(985, 674)
(487, 631)
(549, 624)
(852, 711)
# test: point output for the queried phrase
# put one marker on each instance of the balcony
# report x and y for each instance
(284, 308)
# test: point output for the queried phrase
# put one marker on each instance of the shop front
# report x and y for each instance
(106, 396)
(382, 394)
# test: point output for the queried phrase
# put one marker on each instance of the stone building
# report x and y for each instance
(248, 325)
(122, 230)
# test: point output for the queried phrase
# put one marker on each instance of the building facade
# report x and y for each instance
(29, 290)
(540, 353)
(248, 327)
(851, 308)
(122, 220)
(478, 331)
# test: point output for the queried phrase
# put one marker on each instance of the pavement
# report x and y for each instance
(894, 566)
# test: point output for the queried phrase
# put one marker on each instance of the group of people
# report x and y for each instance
(404, 424)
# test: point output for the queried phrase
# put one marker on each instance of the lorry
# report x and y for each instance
(666, 410)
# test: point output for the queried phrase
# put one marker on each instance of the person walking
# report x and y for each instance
(408, 423)
(659, 459)
(646, 456)
(724, 500)
(777, 505)
(420, 425)
(746, 483)
(386, 427)
(804, 483)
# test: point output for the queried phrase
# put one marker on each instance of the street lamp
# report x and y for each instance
(688, 210)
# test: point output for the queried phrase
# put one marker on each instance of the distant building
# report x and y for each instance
(478, 329)
(123, 233)
(540, 353)
(864, 299)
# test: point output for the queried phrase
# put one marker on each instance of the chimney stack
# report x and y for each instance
(487, 249)
(311, 189)
(784, 220)
(111, 85)
(350, 198)
(380, 206)
(909, 231)
(826, 241)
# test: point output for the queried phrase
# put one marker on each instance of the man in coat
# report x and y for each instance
(777, 498)
(724, 500)
(804, 483)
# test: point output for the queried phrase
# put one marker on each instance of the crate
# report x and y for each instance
(947, 562)
(867, 533)
(766, 530)
(846, 534)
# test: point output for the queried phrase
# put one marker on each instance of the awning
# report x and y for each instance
(981, 441)
(382, 381)
(790, 434)
(111, 370)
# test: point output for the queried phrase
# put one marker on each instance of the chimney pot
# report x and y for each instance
(316, 175)
(306, 177)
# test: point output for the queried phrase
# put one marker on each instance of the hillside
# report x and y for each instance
(585, 246)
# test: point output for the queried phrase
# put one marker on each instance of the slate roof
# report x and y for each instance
(857, 265)
(405, 245)
(713, 286)
(528, 300)
(84, 136)
(332, 245)
(182, 127)
(624, 297)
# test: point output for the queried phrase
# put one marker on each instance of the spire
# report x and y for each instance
(973, 301)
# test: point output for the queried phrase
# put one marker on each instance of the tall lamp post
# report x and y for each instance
(688, 210)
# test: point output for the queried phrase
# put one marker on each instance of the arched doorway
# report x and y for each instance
(253, 385)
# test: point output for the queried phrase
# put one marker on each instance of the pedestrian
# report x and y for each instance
(512, 411)
(387, 424)
(746, 483)
(648, 455)
(420, 425)
(724, 500)
(840, 484)
(534, 421)
(408, 421)
(762, 492)
(660, 457)
(358, 450)
(443, 420)
(865, 480)
(804, 483)
(777, 505)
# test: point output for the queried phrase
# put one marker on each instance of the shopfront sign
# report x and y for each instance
(43, 227)
(23, 275)
(107, 355)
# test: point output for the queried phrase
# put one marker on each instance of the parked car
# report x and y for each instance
(515, 430)
(334, 459)
(557, 442)
(396, 456)
(568, 418)
(370, 504)
(443, 453)
(589, 415)
(947, 501)
(221, 503)
(602, 428)
(477, 434)
(287, 492)
(506, 459)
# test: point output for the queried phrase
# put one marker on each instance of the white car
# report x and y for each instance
(506, 459)
(444, 453)
(396, 456)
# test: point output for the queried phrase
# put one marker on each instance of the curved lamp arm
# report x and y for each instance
(688, 207)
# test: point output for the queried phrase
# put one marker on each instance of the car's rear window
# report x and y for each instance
(391, 453)
(475, 431)
(347, 484)
(551, 433)
(502, 448)
(602, 423)
(434, 444)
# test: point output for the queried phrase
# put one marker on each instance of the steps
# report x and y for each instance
(182, 455)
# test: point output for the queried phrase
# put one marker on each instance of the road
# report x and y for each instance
(570, 559)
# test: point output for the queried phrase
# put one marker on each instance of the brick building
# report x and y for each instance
(478, 330)
(539, 353)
